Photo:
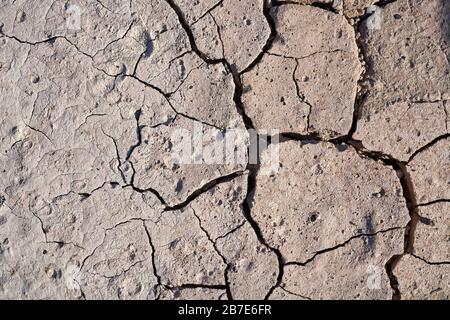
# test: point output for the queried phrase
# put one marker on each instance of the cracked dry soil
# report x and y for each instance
(93, 207)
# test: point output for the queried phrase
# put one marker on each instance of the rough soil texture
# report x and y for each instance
(93, 204)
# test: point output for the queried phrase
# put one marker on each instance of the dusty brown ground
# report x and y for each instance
(343, 193)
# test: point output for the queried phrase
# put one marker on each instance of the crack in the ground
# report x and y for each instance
(219, 33)
(170, 94)
(340, 245)
(439, 263)
(120, 273)
(155, 270)
(231, 68)
(171, 61)
(51, 40)
(207, 12)
(447, 116)
(433, 202)
(393, 282)
(85, 196)
(246, 206)
(427, 146)
(295, 294)
(122, 74)
(40, 132)
(118, 159)
(227, 264)
(327, 6)
(205, 188)
(190, 35)
(411, 204)
(301, 96)
(362, 83)
(41, 223)
(89, 116)
(267, 7)
(103, 6)
(152, 255)
(197, 286)
(383, 3)
(249, 124)
(270, 53)
(231, 231)
(139, 190)
(405, 182)
(167, 98)
(139, 127)
(115, 40)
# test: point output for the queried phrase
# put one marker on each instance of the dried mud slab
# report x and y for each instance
(433, 232)
(353, 271)
(113, 38)
(220, 208)
(35, 21)
(38, 80)
(419, 280)
(175, 179)
(309, 78)
(198, 247)
(83, 221)
(253, 269)
(183, 252)
(121, 267)
(408, 126)
(216, 24)
(55, 144)
(430, 173)
(409, 78)
(49, 246)
(166, 43)
(274, 95)
(32, 268)
(325, 197)
(212, 104)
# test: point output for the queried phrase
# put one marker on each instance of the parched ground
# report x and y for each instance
(350, 97)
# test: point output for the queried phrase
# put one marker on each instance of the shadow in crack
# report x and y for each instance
(148, 45)
(444, 21)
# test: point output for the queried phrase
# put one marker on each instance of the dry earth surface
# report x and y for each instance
(93, 204)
